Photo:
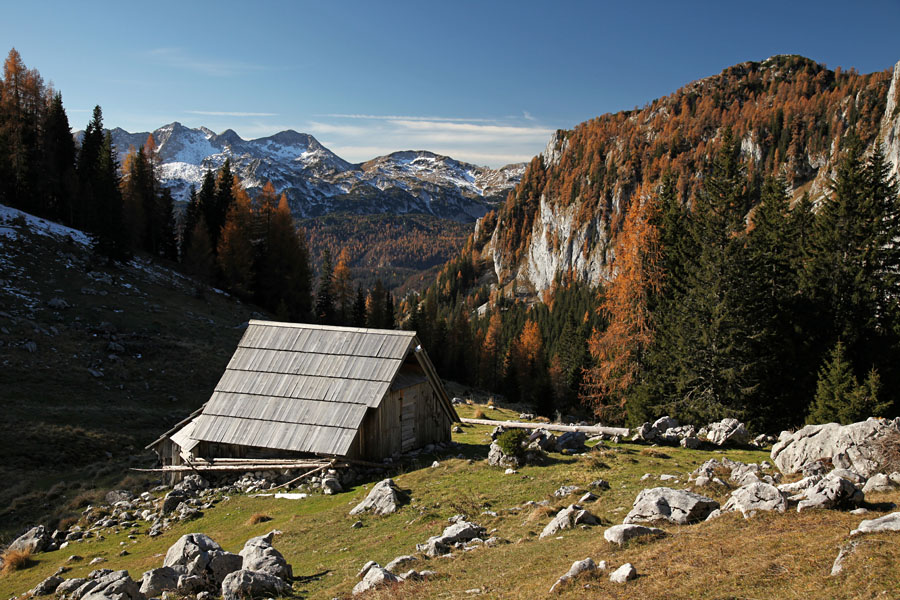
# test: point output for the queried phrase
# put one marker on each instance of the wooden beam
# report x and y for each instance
(305, 475)
(587, 429)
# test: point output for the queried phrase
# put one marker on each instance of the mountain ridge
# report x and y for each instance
(317, 181)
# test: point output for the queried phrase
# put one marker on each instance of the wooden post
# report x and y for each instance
(587, 429)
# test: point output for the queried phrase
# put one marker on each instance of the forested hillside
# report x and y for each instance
(737, 236)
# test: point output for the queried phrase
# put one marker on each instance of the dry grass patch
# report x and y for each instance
(478, 414)
(257, 518)
(541, 513)
(14, 560)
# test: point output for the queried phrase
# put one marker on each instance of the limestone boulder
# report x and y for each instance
(569, 517)
(259, 555)
(374, 577)
(383, 499)
(855, 446)
(889, 522)
(498, 458)
(47, 586)
(156, 581)
(667, 504)
(626, 572)
(727, 432)
(879, 482)
(37, 539)
(253, 584)
(578, 567)
(831, 492)
(619, 534)
(754, 497)
(114, 585)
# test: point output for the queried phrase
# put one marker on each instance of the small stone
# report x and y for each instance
(626, 572)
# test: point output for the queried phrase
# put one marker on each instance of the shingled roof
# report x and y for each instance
(306, 388)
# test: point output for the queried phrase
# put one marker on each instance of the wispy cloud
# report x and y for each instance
(179, 58)
(495, 142)
(401, 118)
(224, 113)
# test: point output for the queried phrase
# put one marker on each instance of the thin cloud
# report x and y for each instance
(223, 113)
(400, 118)
(177, 57)
(503, 130)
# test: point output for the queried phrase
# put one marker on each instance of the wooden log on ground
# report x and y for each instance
(305, 475)
(586, 429)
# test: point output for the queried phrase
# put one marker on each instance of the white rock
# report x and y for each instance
(889, 522)
(624, 573)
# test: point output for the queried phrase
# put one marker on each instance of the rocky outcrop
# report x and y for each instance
(557, 245)
(889, 522)
(35, 540)
(890, 125)
(113, 585)
(259, 555)
(569, 517)
(196, 555)
(755, 497)
(384, 498)
(156, 581)
(831, 492)
(854, 446)
(375, 576)
(47, 586)
(459, 532)
(727, 431)
(666, 504)
(243, 584)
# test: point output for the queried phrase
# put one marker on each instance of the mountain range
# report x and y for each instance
(319, 182)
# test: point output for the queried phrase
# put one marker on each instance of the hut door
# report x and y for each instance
(407, 423)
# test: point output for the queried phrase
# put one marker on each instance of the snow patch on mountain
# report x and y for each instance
(317, 181)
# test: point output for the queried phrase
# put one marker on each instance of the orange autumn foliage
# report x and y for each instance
(618, 349)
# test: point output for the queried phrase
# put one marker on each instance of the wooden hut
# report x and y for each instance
(294, 391)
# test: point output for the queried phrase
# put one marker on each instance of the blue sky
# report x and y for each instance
(482, 81)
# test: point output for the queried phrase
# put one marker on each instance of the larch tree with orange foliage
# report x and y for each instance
(618, 350)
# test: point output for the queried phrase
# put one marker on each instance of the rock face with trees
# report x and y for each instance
(727, 251)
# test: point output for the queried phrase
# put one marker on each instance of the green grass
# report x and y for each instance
(787, 556)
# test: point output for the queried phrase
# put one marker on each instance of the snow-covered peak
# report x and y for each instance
(317, 181)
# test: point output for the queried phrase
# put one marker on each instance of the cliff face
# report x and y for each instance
(790, 114)
(890, 128)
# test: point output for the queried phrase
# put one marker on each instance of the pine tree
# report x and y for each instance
(58, 165)
(110, 238)
(189, 220)
(839, 396)
(88, 158)
(325, 312)
(359, 308)
(284, 281)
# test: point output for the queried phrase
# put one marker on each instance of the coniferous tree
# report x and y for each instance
(88, 159)
(619, 349)
(58, 164)
(325, 312)
(343, 290)
(359, 309)
(235, 252)
(839, 396)
(109, 234)
(190, 218)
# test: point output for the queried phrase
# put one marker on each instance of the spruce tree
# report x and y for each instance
(325, 313)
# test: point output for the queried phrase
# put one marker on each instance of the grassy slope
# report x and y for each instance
(785, 556)
(64, 432)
